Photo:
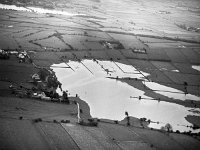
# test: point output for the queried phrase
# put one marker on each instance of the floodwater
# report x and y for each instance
(171, 92)
(13, 7)
(110, 98)
(196, 67)
(165, 69)
(36, 10)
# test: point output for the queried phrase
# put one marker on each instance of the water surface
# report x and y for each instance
(196, 67)
(171, 92)
(110, 98)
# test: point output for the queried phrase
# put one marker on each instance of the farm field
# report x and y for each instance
(115, 56)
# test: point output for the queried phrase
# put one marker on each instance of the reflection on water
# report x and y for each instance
(110, 98)
(36, 10)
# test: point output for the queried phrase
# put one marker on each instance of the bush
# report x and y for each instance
(116, 121)
(177, 131)
(91, 124)
(67, 121)
(55, 121)
(143, 119)
(37, 120)
(195, 127)
(62, 121)
(91, 120)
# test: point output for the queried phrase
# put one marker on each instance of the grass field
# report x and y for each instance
(159, 38)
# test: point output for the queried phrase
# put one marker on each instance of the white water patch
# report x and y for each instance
(10, 26)
(110, 98)
(37, 10)
(175, 70)
(13, 7)
(196, 67)
(115, 69)
(126, 68)
(171, 113)
(47, 11)
(164, 69)
(171, 92)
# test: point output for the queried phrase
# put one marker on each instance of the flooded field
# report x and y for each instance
(114, 61)
(171, 92)
(36, 10)
(112, 57)
(196, 67)
(96, 82)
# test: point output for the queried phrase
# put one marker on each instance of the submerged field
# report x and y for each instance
(136, 56)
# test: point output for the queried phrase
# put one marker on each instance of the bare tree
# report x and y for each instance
(168, 127)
